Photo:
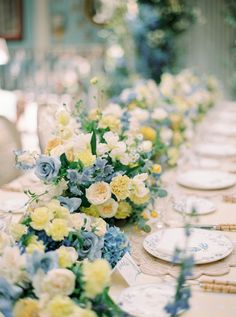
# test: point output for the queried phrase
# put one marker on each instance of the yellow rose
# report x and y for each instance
(35, 245)
(148, 133)
(66, 256)
(58, 210)
(26, 307)
(124, 210)
(17, 230)
(108, 209)
(96, 276)
(120, 187)
(98, 193)
(40, 218)
(58, 282)
(91, 211)
(61, 306)
(86, 157)
(156, 169)
(139, 200)
(52, 144)
(63, 117)
(110, 122)
(58, 229)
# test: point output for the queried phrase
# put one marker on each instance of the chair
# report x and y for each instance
(9, 141)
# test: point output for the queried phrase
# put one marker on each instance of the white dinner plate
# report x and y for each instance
(216, 150)
(147, 300)
(205, 245)
(206, 179)
(202, 206)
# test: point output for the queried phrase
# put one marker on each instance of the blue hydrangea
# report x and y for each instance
(116, 244)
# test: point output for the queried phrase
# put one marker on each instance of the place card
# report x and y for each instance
(128, 269)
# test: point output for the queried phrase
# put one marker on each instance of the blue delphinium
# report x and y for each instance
(116, 244)
(72, 204)
(42, 261)
(8, 294)
(47, 168)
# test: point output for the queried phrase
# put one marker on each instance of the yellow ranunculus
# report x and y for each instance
(91, 211)
(120, 187)
(58, 229)
(66, 256)
(124, 210)
(61, 306)
(17, 230)
(40, 218)
(86, 157)
(52, 144)
(156, 169)
(58, 210)
(96, 276)
(139, 200)
(110, 122)
(108, 209)
(148, 133)
(26, 307)
(35, 245)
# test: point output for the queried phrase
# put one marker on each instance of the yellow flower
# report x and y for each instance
(58, 210)
(154, 214)
(61, 306)
(66, 256)
(66, 133)
(173, 155)
(156, 169)
(86, 157)
(70, 155)
(177, 138)
(108, 209)
(120, 187)
(63, 117)
(40, 218)
(52, 144)
(132, 105)
(17, 230)
(110, 122)
(175, 121)
(96, 276)
(124, 210)
(139, 200)
(26, 307)
(148, 133)
(91, 211)
(94, 80)
(94, 114)
(58, 229)
(35, 245)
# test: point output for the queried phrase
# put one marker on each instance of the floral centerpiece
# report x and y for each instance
(77, 236)
(42, 285)
(96, 167)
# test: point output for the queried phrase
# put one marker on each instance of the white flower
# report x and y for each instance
(140, 114)
(99, 226)
(159, 114)
(58, 282)
(82, 142)
(98, 193)
(57, 151)
(117, 148)
(12, 265)
(146, 146)
(166, 135)
(108, 209)
(79, 220)
(113, 109)
(138, 185)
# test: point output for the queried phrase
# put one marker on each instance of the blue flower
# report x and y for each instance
(71, 203)
(20, 163)
(75, 190)
(91, 247)
(44, 261)
(116, 244)
(47, 168)
(73, 176)
(8, 294)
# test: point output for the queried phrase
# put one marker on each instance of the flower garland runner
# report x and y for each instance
(41, 285)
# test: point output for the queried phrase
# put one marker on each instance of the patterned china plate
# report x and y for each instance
(206, 179)
(147, 300)
(202, 206)
(216, 150)
(205, 245)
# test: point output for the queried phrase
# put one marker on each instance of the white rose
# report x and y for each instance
(98, 193)
(58, 282)
(108, 209)
(166, 135)
(146, 146)
(79, 220)
(159, 114)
